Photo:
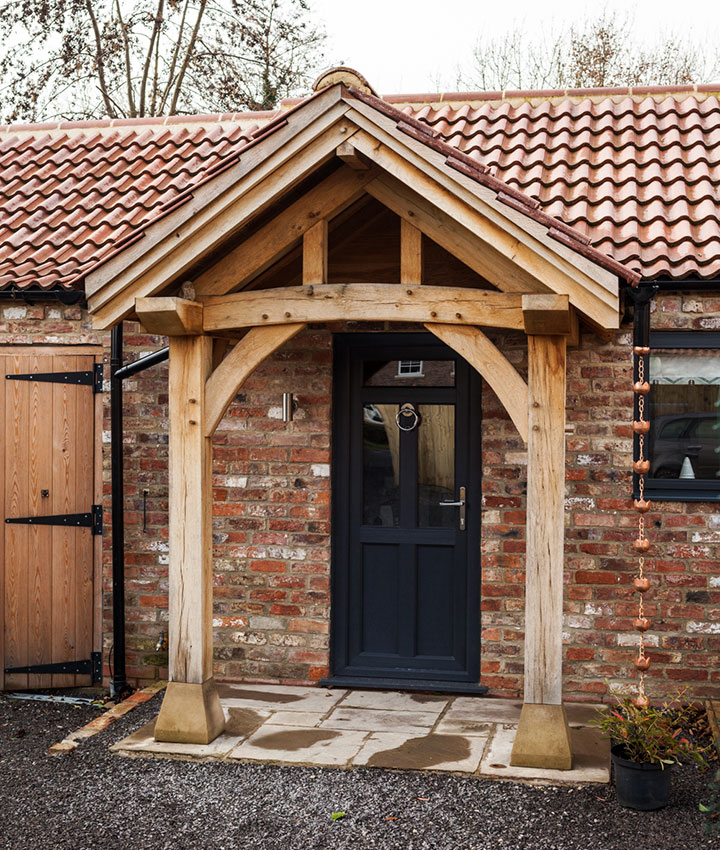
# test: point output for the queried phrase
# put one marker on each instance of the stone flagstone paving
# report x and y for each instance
(388, 729)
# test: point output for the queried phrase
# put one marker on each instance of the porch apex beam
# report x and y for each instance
(546, 314)
(363, 302)
(170, 316)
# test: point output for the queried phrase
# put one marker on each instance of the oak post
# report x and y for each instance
(191, 710)
(315, 254)
(542, 738)
(411, 257)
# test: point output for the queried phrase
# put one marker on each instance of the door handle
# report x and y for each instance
(460, 503)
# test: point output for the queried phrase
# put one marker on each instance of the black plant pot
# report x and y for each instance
(640, 786)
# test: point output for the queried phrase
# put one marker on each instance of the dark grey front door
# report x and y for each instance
(406, 511)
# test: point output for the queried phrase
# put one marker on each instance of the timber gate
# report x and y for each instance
(48, 534)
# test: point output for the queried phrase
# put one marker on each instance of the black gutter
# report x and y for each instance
(34, 294)
(118, 373)
(684, 285)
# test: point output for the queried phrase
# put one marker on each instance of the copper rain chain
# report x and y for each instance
(641, 544)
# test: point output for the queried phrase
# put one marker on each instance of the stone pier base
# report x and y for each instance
(543, 738)
(190, 714)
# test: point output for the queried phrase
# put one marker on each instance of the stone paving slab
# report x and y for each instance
(591, 759)
(452, 724)
(308, 719)
(279, 697)
(424, 752)
(299, 745)
(142, 742)
(581, 714)
(340, 728)
(371, 720)
(485, 710)
(395, 701)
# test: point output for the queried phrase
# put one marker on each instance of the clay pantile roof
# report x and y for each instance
(70, 192)
(635, 170)
(623, 176)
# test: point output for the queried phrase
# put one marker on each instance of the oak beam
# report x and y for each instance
(542, 738)
(224, 383)
(363, 302)
(272, 241)
(546, 314)
(495, 368)
(191, 710)
(347, 153)
(411, 257)
(451, 234)
(169, 316)
(315, 254)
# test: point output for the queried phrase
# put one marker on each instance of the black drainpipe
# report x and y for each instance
(641, 297)
(118, 372)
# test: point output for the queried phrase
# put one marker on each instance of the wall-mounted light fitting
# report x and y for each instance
(289, 406)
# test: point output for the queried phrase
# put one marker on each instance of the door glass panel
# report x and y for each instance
(436, 466)
(409, 373)
(381, 465)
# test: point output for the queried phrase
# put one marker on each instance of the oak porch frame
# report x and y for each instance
(542, 279)
(199, 396)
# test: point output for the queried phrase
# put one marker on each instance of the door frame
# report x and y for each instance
(346, 348)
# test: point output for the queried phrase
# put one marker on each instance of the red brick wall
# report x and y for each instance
(272, 515)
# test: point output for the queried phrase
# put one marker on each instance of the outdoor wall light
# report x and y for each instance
(289, 406)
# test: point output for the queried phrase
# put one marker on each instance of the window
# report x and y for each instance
(408, 368)
(684, 412)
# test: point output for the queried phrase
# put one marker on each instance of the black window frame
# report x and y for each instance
(676, 490)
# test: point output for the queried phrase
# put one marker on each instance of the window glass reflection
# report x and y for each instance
(685, 414)
(381, 465)
(409, 373)
(436, 466)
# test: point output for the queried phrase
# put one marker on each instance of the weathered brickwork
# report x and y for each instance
(272, 520)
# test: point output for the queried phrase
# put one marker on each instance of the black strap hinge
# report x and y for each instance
(92, 378)
(86, 667)
(92, 520)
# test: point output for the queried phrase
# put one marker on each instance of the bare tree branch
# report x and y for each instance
(128, 66)
(148, 59)
(95, 58)
(99, 59)
(187, 58)
(175, 54)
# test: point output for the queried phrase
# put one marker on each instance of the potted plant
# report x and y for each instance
(646, 742)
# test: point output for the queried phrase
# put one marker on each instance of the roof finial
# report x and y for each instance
(346, 76)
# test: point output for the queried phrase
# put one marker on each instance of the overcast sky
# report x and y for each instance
(416, 45)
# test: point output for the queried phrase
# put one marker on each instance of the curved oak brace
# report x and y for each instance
(497, 370)
(236, 368)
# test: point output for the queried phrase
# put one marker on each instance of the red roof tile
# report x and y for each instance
(636, 173)
(70, 192)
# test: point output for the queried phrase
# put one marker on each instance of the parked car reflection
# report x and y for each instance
(692, 435)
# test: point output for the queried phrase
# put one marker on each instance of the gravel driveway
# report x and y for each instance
(91, 799)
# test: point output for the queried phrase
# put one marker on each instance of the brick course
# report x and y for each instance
(271, 520)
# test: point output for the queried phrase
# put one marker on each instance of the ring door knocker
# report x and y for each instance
(407, 418)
